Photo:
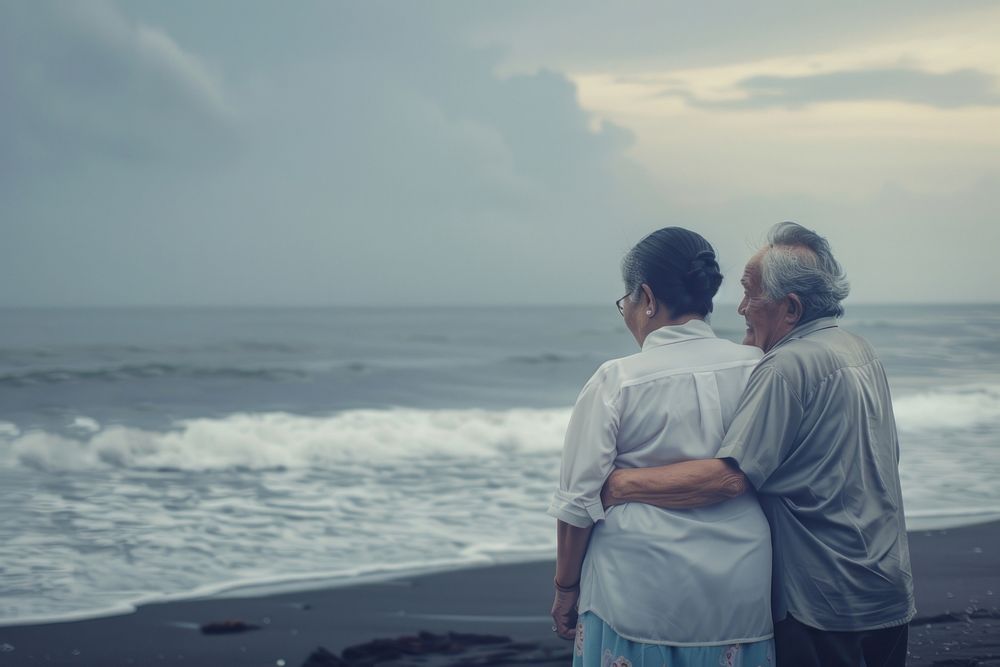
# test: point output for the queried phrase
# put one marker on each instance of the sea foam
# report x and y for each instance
(275, 440)
(238, 502)
(281, 440)
(949, 409)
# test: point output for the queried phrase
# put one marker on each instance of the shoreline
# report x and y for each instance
(316, 581)
(956, 575)
(267, 586)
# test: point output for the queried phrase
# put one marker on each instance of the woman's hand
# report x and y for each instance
(564, 613)
(571, 546)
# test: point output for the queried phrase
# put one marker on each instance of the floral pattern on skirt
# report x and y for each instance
(597, 645)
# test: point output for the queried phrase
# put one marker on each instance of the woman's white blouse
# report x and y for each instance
(681, 577)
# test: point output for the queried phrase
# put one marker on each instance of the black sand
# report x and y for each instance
(957, 575)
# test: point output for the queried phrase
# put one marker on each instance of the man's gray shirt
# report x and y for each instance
(815, 435)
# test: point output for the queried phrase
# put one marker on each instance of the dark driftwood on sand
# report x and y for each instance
(454, 649)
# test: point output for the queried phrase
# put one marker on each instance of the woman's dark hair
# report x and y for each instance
(679, 266)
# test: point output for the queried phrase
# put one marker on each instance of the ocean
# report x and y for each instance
(150, 454)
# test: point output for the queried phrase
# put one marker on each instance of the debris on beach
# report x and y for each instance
(323, 658)
(227, 627)
(954, 639)
(452, 649)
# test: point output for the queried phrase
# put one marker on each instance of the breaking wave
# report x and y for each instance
(278, 440)
(949, 409)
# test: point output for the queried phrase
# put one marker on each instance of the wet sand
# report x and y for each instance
(956, 572)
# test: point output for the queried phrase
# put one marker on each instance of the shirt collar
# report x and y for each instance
(809, 327)
(677, 333)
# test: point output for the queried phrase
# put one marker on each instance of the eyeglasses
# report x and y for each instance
(621, 307)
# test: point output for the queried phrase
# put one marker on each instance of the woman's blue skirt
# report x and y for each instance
(597, 645)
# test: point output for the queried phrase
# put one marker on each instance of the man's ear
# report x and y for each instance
(793, 309)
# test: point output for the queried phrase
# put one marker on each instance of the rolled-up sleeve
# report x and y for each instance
(588, 454)
(762, 433)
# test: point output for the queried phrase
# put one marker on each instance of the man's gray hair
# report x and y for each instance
(799, 261)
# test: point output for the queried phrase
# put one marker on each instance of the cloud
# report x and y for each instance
(79, 81)
(410, 160)
(380, 159)
(896, 244)
(590, 36)
(375, 153)
(949, 90)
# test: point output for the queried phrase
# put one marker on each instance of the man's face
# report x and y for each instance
(766, 320)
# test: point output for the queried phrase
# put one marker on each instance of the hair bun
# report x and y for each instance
(679, 266)
(703, 276)
(704, 257)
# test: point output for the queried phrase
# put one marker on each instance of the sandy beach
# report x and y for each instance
(495, 616)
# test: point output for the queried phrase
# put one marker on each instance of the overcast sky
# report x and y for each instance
(468, 153)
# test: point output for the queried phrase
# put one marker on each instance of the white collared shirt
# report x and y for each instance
(680, 577)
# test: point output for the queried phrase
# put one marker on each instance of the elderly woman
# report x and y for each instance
(638, 584)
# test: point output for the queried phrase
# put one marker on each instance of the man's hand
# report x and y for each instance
(564, 611)
(608, 496)
(682, 485)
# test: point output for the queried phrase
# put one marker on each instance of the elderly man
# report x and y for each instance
(815, 436)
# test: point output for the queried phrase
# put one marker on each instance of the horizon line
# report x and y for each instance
(289, 306)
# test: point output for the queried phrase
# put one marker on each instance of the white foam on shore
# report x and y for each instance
(281, 584)
(950, 518)
(400, 572)
(404, 491)
(274, 440)
(948, 409)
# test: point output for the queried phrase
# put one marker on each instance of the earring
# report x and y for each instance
(649, 312)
